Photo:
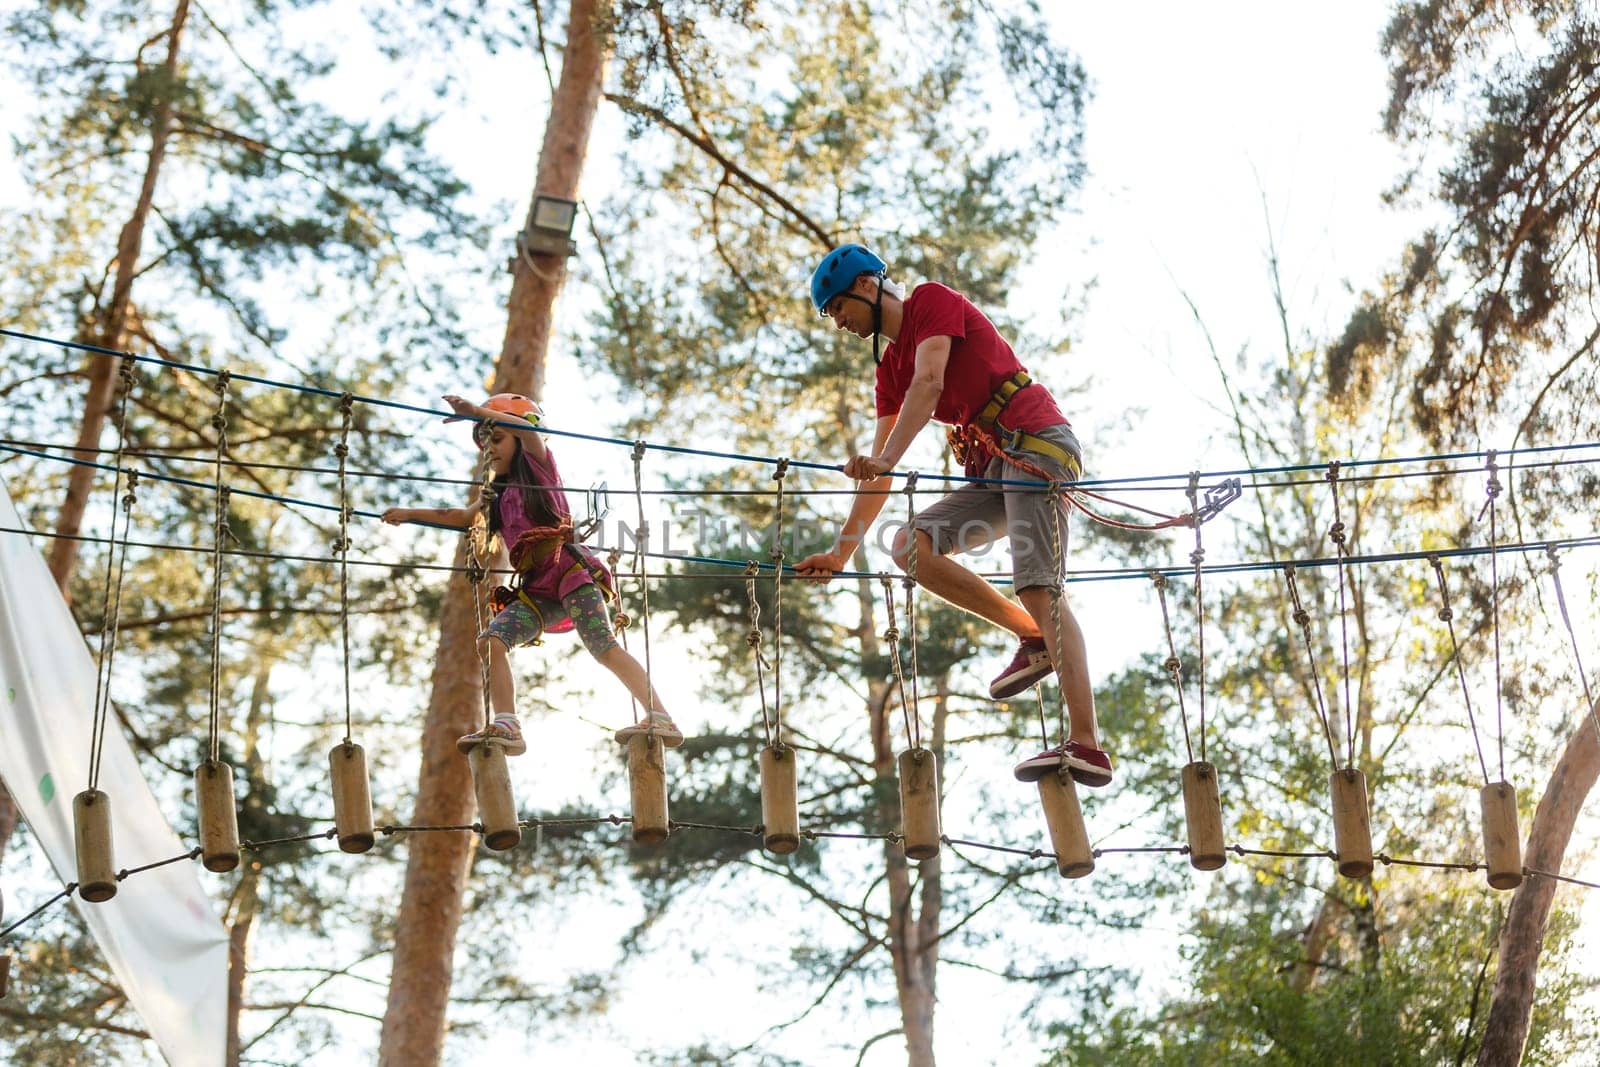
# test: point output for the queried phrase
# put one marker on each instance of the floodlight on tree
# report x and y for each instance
(549, 230)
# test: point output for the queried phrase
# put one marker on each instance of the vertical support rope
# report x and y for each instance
(911, 606)
(1577, 654)
(1174, 665)
(1303, 619)
(891, 637)
(1058, 557)
(1493, 491)
(621, 621)
(1447, 616)
(640, 544)
(777, 608)
(98, 734)
(342, 546)
(1197, 557)
(1336, 533)
(751, 570)
(477, 571)
(219, 422)
(112, 599)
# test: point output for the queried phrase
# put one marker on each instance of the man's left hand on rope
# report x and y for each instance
(866, 468)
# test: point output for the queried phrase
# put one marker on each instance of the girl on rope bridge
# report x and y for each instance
(560, 585)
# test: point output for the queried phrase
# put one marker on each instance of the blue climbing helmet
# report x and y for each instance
(839, 269)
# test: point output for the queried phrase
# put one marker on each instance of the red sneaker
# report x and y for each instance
(1088, 766)
(1028, 666)
(1036, 767)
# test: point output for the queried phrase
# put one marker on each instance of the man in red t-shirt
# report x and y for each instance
(945, 361)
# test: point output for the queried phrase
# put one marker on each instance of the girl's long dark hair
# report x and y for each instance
(535, 502)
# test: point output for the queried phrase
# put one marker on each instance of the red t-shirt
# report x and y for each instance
(980, 361)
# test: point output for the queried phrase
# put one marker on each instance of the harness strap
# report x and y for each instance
(1009, 388)
(976, 436)
(988, 433)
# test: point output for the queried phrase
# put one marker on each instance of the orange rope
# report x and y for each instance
(963, 438)
(539, 543)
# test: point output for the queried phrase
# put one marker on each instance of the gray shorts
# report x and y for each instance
(975, 516)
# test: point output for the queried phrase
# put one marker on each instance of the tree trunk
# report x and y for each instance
(111, 321)
(246, 903)
(1511, 1009)
(919, 1031)
(913, 916)
(246, 900)
(537, 279)
(1315, 940)
(436, 864)
(436, 867)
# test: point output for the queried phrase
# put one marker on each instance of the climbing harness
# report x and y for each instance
(987, 437)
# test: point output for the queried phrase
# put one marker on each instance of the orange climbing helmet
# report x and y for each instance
(510, 404)
(516, 404)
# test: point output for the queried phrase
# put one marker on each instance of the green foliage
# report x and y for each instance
(284, 238)
(1490, 309)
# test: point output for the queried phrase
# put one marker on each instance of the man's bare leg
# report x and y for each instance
(950, 581)
(1070, 654)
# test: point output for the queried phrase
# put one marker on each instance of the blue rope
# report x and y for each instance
(1112, 574)
(1295, 468)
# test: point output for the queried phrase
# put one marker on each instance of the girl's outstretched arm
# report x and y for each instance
(456, 518)
(532, 442)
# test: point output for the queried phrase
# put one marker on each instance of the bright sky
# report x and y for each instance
(1205, 130)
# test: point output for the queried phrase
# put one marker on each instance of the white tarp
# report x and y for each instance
(159, 933)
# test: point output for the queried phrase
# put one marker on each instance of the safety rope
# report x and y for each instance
(1217, 497)
(777, 609)
(1336, 533)
(1572, 634)
(753, 639)
(641, 542)
(477, 535)
(341, 547)
(1173, 665)
(1197, 557)
(910, 583)
(1447, 616)
(219, 422)
(1302, 618)
(1493, 491)
(112, 598)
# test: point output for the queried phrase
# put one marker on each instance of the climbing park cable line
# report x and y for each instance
(1355, 470)
(1074, 577)
(176, 454)
(1179, 479)
(811, 833)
